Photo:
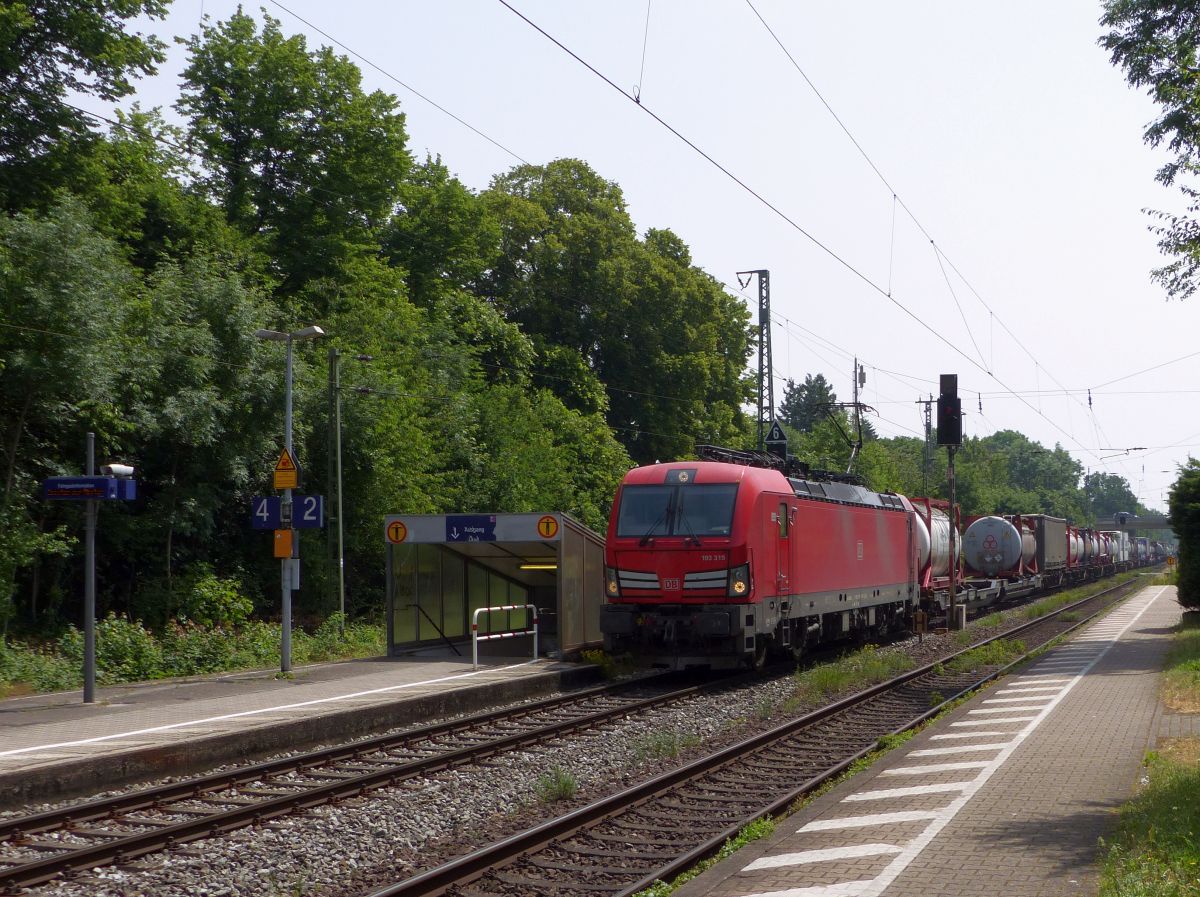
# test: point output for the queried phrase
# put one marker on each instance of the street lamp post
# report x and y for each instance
(288, 566)
(335, 402)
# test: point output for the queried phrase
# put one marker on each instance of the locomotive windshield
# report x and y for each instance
(689, 511)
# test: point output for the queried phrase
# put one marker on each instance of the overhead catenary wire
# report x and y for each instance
(438, 106)
(992, 316)
(778, 212)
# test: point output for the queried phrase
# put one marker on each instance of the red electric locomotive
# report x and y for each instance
(718, 564)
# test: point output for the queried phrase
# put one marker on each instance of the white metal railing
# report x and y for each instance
(476, 638)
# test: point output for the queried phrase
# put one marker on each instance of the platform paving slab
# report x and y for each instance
(1050, 771)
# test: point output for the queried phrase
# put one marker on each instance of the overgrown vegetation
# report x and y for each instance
(664, 745)
(128, 652)
(997, 653)
(853, 672)
(761, 828)
(1185, 520)
(555, 784)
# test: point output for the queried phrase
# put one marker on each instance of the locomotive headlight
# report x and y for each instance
(610, 582)
(739, 581)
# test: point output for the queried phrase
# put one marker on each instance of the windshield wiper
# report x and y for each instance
(662, 518)
(687, 525)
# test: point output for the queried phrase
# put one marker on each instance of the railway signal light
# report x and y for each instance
(949, 412)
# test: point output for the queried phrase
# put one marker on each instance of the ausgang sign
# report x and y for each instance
(444, 529)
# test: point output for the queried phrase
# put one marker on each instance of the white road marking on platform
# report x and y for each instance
(994, 720)
(1007, 709)
(910, 791)
(841, 889)
(827, 825)
(261, 711)
(1017, 700)
(960, 749)
(823, 856)
(983, 734)
(1026, 679)
(934, 767)
(1030, 689)
(941, 818)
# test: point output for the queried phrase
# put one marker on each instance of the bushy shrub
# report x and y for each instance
(209, 600)
(1184, 503)
(334, 639)
(37, 669)
(125, 651)
(128, 652)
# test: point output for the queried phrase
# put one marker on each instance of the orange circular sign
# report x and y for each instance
(547, 526)
(397, 532)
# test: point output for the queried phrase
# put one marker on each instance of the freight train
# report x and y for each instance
(726, 561)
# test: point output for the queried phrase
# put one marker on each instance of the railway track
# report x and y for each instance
(60, 843)
(624, 842)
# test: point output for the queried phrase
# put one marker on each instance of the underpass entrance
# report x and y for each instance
(442, 567)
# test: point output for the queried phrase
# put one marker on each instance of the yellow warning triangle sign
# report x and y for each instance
(285, 462)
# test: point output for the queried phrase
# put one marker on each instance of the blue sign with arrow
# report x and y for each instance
(470, 527)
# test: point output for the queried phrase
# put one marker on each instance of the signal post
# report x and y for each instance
(949, 432)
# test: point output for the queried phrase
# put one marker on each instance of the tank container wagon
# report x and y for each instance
(1122, 549)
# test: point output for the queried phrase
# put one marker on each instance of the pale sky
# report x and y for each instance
(1002, 127)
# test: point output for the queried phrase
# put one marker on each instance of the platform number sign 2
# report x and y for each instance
(308, 511)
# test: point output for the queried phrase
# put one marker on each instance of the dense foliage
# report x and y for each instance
(1157, 43)
(1185, 520)
(512, 349)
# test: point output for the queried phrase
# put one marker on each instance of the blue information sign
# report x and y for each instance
(84, 488)
(308, 511)
(470, 527)
(264, 512)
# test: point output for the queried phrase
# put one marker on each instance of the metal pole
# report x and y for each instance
(341, 545)
(285, 648)
(953, 610)
(89, 585)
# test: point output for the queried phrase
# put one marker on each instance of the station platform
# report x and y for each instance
(1008, 794)
(55, 746)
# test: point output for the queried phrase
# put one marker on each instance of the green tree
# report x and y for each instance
(50, 50)
(1184, 504)
(1156, 43)
(1108, 493)
(63, 360)
(636, 318)
(293, 149)
(804, 403)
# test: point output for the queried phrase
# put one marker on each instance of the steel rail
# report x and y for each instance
(471, 866)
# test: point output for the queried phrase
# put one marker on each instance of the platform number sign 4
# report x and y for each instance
(265, 512)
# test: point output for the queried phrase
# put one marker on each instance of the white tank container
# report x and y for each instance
(1028, 543)
(992, 544)
(934, 548)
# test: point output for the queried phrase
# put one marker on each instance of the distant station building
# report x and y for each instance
(441, 568)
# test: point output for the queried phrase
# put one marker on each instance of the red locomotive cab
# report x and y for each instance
(677, 534)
